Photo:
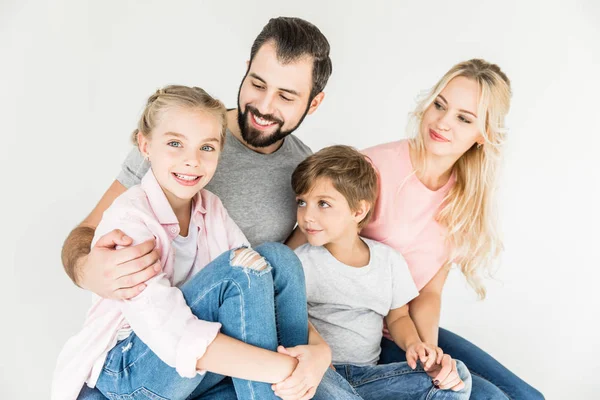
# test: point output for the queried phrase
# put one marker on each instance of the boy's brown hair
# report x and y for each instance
(350, 172)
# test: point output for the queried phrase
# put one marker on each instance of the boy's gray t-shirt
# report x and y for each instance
(255, 188)
(347, 305)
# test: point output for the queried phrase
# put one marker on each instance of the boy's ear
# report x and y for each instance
(361, 211)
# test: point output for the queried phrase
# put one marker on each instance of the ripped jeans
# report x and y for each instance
(263, 307)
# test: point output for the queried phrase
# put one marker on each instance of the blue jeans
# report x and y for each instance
(263, 308)
(491, 380)
(397, 381)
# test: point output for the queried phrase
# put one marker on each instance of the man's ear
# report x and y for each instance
(316, 102)
(361, 212)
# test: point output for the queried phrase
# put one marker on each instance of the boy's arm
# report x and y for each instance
(110, 273)
(402, 327)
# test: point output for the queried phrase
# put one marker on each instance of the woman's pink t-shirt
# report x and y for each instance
(404, 215)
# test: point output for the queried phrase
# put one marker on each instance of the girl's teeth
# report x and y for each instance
(186, 177)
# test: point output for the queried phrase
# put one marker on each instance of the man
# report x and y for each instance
(288, 69)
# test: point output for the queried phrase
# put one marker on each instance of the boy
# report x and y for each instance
(354, 283)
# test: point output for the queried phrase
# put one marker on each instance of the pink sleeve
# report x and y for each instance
(426, 254)
(159, 315)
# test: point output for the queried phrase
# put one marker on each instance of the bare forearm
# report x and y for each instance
(404, 332)
(425, 312)
(231, 357)
(296, 239)
(76, 247)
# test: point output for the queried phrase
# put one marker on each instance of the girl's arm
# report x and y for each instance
(425, 308)
(232, 357)
(161, 318)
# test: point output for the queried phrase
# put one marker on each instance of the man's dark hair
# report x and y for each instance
(295, 38)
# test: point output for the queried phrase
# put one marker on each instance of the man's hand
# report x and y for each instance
(118, 274)
(313, 361)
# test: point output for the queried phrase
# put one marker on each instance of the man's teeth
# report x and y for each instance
(262, 121)
(186, 177)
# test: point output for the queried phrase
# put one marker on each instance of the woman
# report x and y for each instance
(436, 207)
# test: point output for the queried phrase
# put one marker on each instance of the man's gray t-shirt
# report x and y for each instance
(255, 188)
(347, 305)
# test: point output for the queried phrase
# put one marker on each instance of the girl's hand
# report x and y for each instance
(313, 361)
(427, 354)
(444, 375)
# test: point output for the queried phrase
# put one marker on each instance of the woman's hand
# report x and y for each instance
(313, 361)
(444, 374)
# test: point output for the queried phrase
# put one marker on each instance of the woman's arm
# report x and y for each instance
(425, 308)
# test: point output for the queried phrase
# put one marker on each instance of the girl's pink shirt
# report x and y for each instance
(159, 315)
(404, 215)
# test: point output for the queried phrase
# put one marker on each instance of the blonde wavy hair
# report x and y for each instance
(469, 210)
(178, 96)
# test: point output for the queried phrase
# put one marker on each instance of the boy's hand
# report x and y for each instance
(313, 361)
(444, 374)
(427, 354)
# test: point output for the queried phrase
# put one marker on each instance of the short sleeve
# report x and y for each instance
(133, 169)
(403, 286)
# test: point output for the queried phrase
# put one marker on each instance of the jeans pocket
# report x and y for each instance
(139, 394)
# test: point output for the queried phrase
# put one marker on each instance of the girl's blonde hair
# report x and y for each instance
(182, 97)
(469, 210)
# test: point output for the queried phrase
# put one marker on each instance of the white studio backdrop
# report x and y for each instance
(74, 76)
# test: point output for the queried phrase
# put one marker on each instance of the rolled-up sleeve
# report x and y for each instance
(160, 317)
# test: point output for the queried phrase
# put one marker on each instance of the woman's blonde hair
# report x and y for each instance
(183, 97)
(469, 210)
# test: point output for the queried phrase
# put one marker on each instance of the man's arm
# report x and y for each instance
(110, 273)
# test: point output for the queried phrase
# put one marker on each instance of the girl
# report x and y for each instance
(218, 305)
(436, 207)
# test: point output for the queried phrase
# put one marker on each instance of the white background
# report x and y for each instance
(74, 76)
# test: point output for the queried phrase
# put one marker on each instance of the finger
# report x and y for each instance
(452, 376)
(445, 370)
(132, 280)
(114, 238)
(422, 355)
(431, 356)
(451, 384)
(295, 392)
(282, 350)
(310, 394)
(139, 264)
(440, 354)
(289, 382)
(411, 359)
(129, 293)
(459, 387)
(134, 252)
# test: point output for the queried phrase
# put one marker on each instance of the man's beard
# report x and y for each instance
(256, 138)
